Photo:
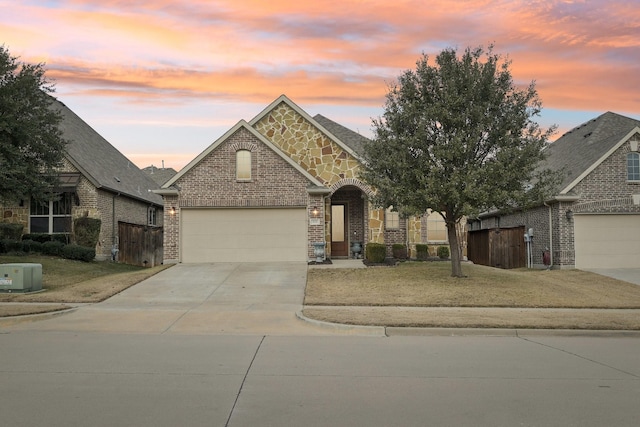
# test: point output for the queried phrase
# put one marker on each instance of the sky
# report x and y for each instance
(161, 80)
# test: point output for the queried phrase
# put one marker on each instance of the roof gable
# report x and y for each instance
(579, 151)
(352, 139)
(242, 124)
(100, 162)
(284, 99)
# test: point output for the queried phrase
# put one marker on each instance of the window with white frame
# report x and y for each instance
(243, 165)
(151, 215)
(53, 216)
(633, 167)
(436, 227)
(392, 219)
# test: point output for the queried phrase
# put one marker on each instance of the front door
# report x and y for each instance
(339, 241)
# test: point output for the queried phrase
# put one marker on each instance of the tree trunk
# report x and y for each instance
(456, 262)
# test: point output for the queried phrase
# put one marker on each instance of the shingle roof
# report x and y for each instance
(100, 162)
(159, 175)
(578, 149)
(352, 139)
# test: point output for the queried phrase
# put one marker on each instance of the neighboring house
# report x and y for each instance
(594, 219)
(159, 175)
(269, 188)
(98, 181)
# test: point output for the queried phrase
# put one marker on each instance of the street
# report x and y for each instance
(109, 379)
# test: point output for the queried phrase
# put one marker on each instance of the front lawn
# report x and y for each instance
(429, 284)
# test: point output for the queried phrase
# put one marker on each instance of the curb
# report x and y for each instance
(14, 320)
(375, 331)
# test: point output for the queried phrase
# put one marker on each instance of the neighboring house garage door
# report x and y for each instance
(243, 235)
(607, 241)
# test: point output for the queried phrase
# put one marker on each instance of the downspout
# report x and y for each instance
(114, 246)
(550, 235)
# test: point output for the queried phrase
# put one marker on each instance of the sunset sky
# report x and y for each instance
(163, 79)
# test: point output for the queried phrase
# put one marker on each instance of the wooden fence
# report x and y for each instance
(140, 245)
(497, 247)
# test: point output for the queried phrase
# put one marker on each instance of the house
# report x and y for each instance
(98, 181)
(593, 221)
(159, 175)
(269, 188)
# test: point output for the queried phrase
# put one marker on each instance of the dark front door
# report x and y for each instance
(339, 241)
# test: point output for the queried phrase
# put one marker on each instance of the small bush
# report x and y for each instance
(10, 245)
(443, 252)
(10, 231)
(64, 238)
(32, 246)
(87, 231)
(37, 237)
(399, 251)
(422, 251)
(376, 252)
(79, 253)
(52, 248)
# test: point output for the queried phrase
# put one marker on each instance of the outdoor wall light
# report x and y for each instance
(315, 212)
(569, 215)
(172, 211)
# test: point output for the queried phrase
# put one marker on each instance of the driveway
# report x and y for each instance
(224, 298)
(631, 275)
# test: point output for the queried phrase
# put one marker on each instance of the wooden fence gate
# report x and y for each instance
(139, 244)
(497, 247)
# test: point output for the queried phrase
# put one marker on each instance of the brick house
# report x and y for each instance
(594, 219)
(98, 181)
(269, 188)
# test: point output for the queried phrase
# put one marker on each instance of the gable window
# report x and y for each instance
(243, 165)
(50, 217)
(633, 167)
(392, 219)
(151, 215)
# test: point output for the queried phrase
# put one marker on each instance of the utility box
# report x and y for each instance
(23, 277)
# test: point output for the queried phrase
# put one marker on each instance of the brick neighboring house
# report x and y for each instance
(269, 188)
(98, 181)
(594, 219)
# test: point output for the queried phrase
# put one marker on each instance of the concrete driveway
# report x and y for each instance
(225, 298)
(631, 275)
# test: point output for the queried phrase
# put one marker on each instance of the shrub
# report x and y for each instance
(79, 253)
(87, 231)
(443, 252)
(52, 248)
(64, 238)
(422, 251)
(399, 251)
(376, 252)
(31, 246)
(10, 231)
(10, 245)
(37, 237)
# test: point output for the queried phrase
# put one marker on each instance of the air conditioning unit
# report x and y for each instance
(24, 277)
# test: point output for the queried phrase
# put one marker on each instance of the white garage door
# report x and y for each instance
(607, 241)
(243, 235)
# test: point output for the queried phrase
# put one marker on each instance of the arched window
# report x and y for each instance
(633, 167)
(243, 165)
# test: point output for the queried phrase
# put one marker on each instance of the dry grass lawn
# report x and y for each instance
(68, 281)
(429, 284)
(487, 298)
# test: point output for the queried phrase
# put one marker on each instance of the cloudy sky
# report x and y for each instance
(163, 79)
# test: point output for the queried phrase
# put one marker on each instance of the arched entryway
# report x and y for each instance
(348, 208)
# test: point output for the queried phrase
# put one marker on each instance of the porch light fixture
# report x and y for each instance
(569, 215)
(172, 211)
(315, 212)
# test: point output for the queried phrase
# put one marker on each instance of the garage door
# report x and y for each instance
(243, 235)
(607, 241)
